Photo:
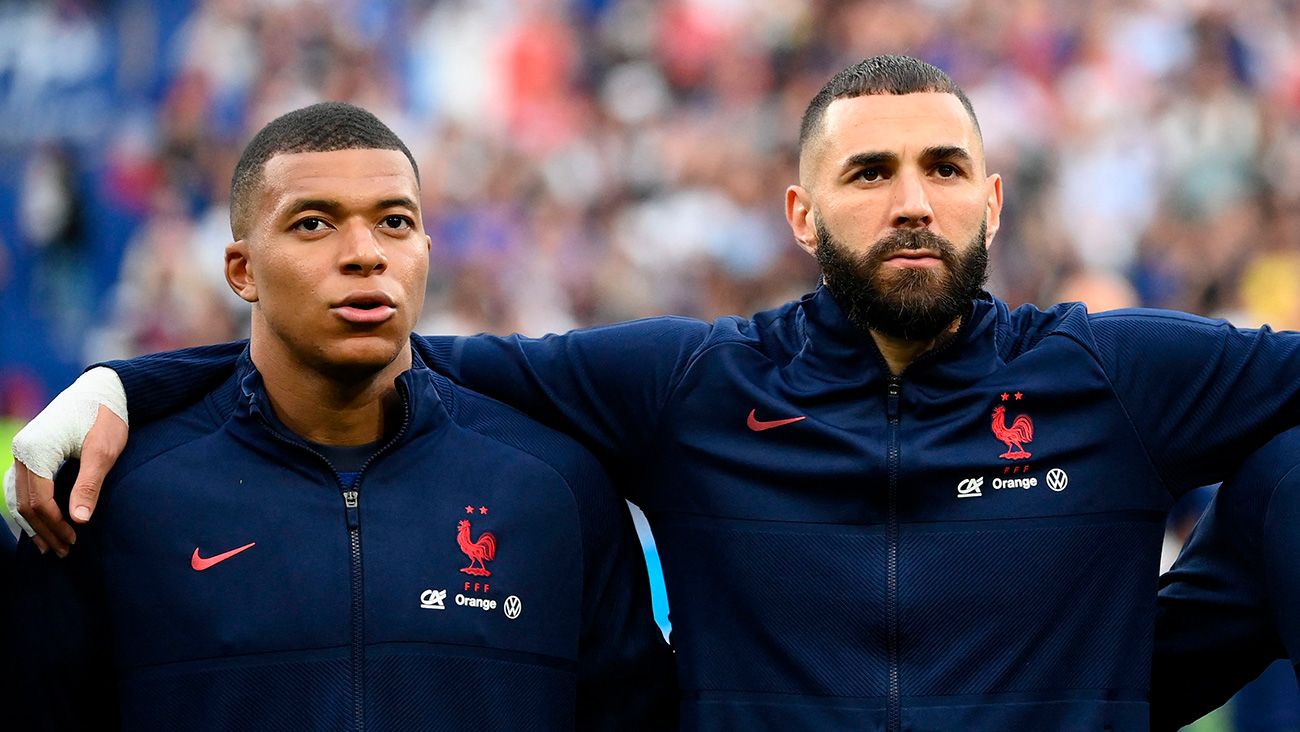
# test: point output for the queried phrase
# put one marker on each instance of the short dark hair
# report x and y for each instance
(323, 127)
(880, 75)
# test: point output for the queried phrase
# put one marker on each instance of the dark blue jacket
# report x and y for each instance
(972, 545)
(1231, 603)
(476, 574)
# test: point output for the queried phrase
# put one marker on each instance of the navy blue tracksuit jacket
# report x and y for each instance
(971, 545)
(476, 572)
(1231, 603)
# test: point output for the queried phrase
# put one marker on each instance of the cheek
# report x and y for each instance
(415, 277)
(964, 205)
(860, 208)
(288, 282)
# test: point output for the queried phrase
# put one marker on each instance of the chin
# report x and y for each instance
(361, 357)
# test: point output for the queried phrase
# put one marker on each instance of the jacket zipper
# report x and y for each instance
(352, 513)
(894, 704)
(351, 505)
(351, 508)
(893, 391)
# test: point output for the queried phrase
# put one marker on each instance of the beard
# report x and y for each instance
(914, 304)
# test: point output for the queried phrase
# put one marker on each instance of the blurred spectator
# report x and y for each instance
(1100, 290)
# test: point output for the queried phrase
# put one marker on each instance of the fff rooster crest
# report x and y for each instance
(1016, 435)
(480, 550)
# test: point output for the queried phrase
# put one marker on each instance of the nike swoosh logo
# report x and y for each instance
(199, 563)
(758, 425)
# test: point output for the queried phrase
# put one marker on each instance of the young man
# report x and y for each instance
(338, 538)
(1230, 605)
(895, 503)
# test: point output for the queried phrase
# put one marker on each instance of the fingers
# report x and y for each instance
(36, 505)
(104, 444)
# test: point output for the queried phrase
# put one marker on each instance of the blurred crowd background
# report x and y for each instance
(585, 161)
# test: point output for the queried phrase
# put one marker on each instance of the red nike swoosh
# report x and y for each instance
(199, 563)
(758, 425)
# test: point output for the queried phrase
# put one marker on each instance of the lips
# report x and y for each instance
(913, 254)
(368, 307)
(914, 259)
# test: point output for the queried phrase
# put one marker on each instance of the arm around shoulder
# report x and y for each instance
(605, 385)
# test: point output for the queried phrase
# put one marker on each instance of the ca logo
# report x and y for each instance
(970, 488)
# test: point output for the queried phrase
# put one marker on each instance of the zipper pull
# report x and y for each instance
(350, 503)
(892, 391)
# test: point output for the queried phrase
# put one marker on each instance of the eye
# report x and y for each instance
(397, 222)
(947, 170)
(311, 224)
(871, 175)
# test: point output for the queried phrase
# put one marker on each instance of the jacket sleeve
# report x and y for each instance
(1201, 394)
(607, 386)
(1280, 544)
(626, 676)
(59, 637)
(162, 383)
(1214, 625)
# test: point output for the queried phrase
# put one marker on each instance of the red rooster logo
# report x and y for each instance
(484, 549)
(1015, 436)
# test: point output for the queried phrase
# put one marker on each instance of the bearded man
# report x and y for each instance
(896, 503)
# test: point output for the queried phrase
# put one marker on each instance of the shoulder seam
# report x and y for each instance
(703, 348)
(1123, 408)
(573, 495)
(164, 453)
(494, 438)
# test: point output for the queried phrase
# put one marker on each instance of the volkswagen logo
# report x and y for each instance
(513, 607)
(1057, 479)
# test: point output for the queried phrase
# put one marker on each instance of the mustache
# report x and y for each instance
(910, 240)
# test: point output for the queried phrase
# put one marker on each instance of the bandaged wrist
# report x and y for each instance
(14, 520)
(57, 433)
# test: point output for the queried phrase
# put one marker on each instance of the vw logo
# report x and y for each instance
(1057, 479)
(513, 607)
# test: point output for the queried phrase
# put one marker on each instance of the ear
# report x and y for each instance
(799, 214)
(993, 208)
(239, 271)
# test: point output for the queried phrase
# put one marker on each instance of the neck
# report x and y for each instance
(329, 408)
(900, 353)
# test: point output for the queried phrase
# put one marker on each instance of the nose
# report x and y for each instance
(362, 252)
(911, 204)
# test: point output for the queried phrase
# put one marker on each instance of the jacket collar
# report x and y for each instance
(421, 395)
(835, 349)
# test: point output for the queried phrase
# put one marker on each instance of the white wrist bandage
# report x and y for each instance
(57, 433)
(13, 521)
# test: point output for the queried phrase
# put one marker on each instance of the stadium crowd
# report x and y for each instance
(585, 161)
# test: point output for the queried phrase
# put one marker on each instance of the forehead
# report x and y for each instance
(903, 124)
(353, 176)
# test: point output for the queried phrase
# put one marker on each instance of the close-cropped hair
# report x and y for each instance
(880, 75)
(323, 127)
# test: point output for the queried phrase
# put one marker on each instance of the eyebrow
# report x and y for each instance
(868, 159)
(331, 206)
(929, 155)
(313, 204)
(399, 202)
(947, 152)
